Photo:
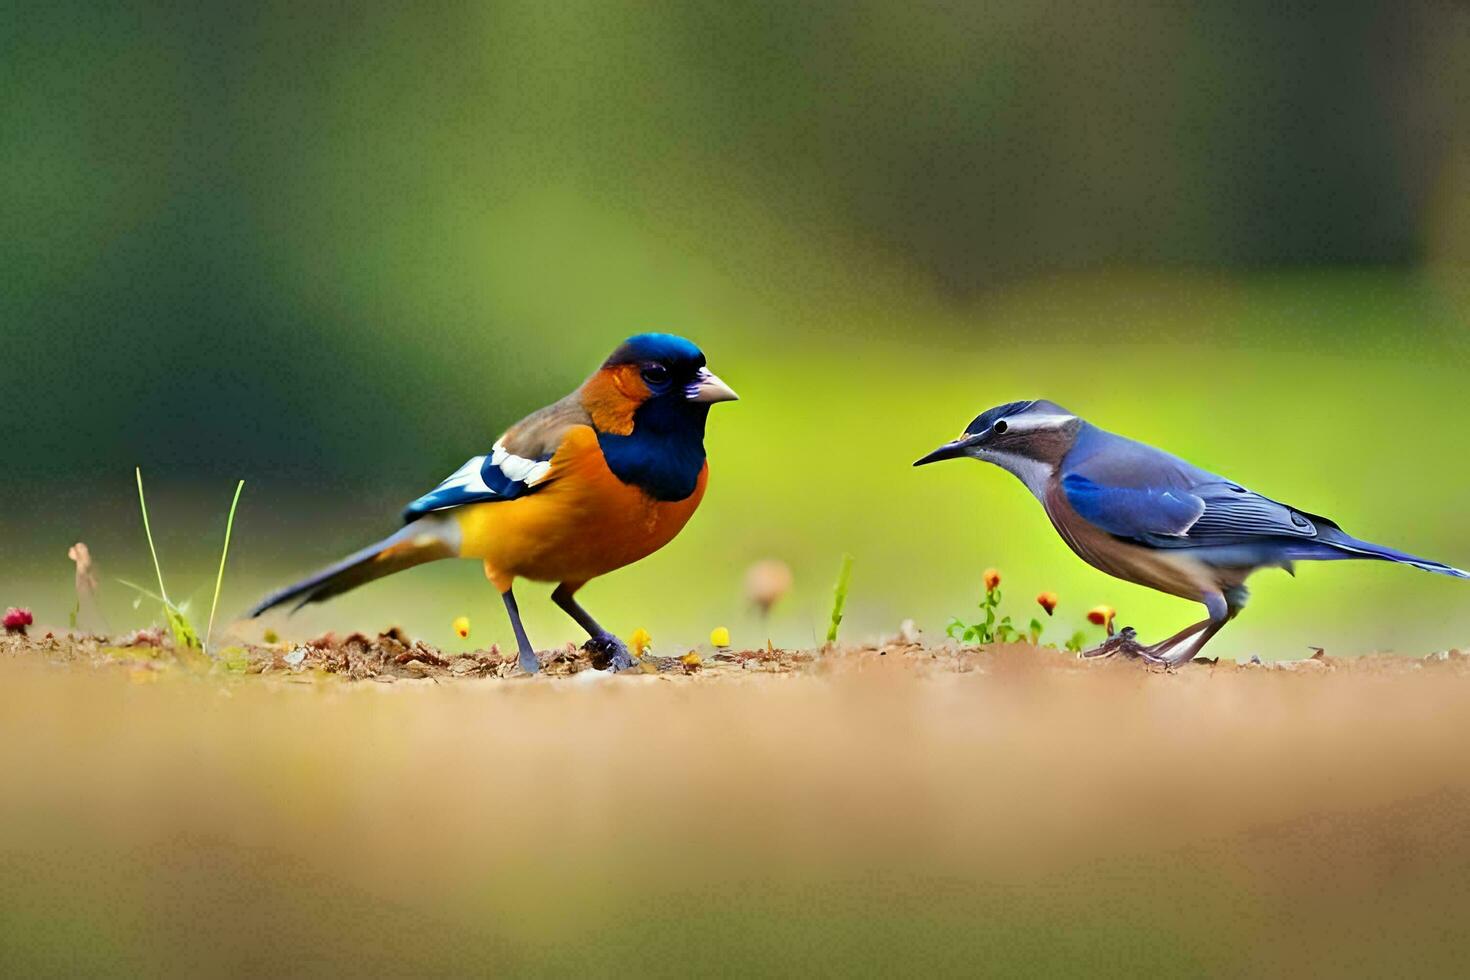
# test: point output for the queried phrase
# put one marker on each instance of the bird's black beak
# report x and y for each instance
(950, 450)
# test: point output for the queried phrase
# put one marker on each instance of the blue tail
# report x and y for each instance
(1334, 544)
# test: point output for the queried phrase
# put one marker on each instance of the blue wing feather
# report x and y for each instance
(1133, 512)
(1134, 491)
(498, 476)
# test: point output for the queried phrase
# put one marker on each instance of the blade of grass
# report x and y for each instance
(185, 638)
(142, 591)
(143, 506)
(839, 598)
(224, 553)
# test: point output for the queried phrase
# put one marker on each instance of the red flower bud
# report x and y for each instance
(17, 619)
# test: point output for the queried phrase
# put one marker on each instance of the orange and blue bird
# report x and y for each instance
(598, 480)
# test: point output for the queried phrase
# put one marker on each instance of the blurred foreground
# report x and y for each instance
(1006, 811)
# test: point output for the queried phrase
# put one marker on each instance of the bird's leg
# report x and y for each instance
(1177, 659)
(529, 662)
(1222, 607)
(607, 651)
(1158, 651)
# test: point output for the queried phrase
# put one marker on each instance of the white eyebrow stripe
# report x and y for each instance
(1036, 423)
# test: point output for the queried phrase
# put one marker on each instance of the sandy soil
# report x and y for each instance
(893, 809)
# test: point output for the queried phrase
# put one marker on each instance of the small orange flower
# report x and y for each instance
(1102, 616)
(992, 580)
(1047, 601)
(461, 626)
(640, 641)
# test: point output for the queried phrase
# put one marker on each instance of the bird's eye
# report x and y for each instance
(1000, 427)
(656, 375)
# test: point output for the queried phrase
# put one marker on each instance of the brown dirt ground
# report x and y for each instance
(393, 656)
(885, 809)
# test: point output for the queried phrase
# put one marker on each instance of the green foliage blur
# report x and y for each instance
(337, 249)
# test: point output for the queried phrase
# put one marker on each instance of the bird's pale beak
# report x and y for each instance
(950, 450)
(709, 389)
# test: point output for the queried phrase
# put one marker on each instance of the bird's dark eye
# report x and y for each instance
(1000, 427)
(656, 375)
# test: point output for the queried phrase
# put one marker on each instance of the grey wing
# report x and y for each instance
(1235, 515)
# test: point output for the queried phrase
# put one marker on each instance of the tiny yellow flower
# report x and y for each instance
(1102, 616)
(720, 637)
(640, 641)
(461, 627)
(992, 580)
(690, 659)
(1047, 601)
(271, 637)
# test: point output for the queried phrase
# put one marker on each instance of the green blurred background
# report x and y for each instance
(335, 250)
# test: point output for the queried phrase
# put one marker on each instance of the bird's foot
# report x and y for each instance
(530, 663)
(608, 653)
(1124, 644)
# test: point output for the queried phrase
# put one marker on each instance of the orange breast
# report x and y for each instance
(584, 523)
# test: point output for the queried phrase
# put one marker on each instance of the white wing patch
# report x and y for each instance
(512, 476)
(501, 475)
(467, 478)
(517, 469)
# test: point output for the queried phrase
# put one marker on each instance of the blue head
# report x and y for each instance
(649, 403)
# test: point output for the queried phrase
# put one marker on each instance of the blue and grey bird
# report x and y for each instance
(1147, 517)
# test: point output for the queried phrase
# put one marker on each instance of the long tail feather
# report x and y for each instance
(1341, 545)
(427, 539)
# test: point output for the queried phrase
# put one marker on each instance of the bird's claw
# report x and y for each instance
(1125, 643)
(530, 663)
(608, 653)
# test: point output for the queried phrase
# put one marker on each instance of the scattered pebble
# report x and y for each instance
(150, 637)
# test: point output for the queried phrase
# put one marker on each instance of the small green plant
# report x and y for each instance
(185, 636)
(839, 598)
(989, 630)
(995, 628)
